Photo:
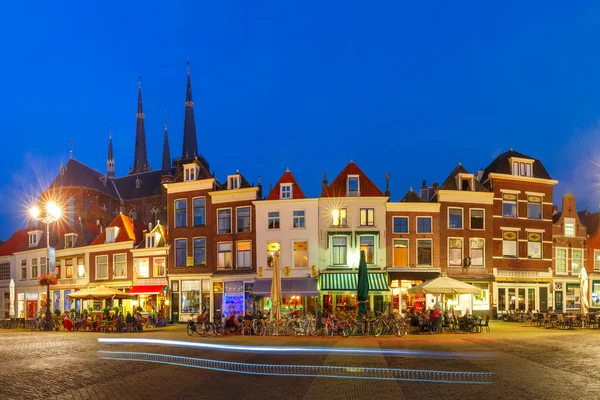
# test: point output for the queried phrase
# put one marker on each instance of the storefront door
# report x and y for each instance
(175, 307)
(543, 299)
(558, 300)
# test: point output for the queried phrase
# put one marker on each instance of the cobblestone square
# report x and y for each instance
(525, 362)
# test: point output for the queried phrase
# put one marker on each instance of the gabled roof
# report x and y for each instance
(85, 231)
(128, 230)
(162, 231)
(450, 182)
(149, 185)
(76, 174)
(411, 197)
(337, 188)
(243, 182)
(501, 165)
(15, 242)
(287, 177)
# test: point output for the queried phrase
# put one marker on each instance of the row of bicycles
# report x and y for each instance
(34, 324)
(380, 324)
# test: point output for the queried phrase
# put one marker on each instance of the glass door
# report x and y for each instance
(521, 299)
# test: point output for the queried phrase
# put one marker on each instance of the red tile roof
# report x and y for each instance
(287, 177)
(128, 230)
(337, 188)
(15, 242)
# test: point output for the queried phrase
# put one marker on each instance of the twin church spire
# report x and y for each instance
(140, 157)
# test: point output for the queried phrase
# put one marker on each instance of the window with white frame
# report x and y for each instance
(455, 218)
(111, 234)
(180, 213)
(34, 238)
(120, 265)
(5, 272)
(424, 252)
(509, 244)
(142, 267)
(576, 261)
(477, 250)
(400, 252)
(596, 260)
(367, 217)
(191, 172)
(199, 205)
(534, 245)
(509, 205)
(400, 224)
(68, 263)
(522, 167)
(224, 255)
(424, 225)
(477, 219)
(34, 268)
(367, 244)
(70, 239)
(43, 266)
(298, 218)
(301, 254)
(150, 240)
(286, 191)
(570, 227)
(101, 267)
(199, 252)
(23, 269)
(244, 254)
(224, 221)
(339, 250)
(233, 182)
(243, 219)
(561, 261)
(339, 217)
(160, 267)
(180, 252)
(273, 219)
(80, 268)
(534, 207)
(353, 186)
(271, 250)
(455, 248)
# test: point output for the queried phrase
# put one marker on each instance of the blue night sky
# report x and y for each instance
(404, 89)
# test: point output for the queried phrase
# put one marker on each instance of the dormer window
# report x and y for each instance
(34, 238)
(466, 182)
(286, 191)
(151, 240)
(522, 167)
(111, 234)
(353, 186)
(190, 172)
(233, 182)
(70, 239)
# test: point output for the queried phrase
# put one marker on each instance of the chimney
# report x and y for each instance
(387, 184)
(150, 227)
(554, 209)
(325, 183)
(97, 222)
(479, 175)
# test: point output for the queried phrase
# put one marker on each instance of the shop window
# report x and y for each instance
(301, 254)
(572, 298)
(502, 299)
(534, 246)
(424, 255)
(509, 244)
(481, 300)
(401, 252)
(455, 247)
(141, 265)
(595, 294)
(190, 296)
(367, 244)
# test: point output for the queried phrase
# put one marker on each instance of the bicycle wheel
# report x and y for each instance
(378, 329)
(209, 328)
(33, 326)
(344, 329)
(200, 329)
(399, 329)
(190, 329)
(312, 328)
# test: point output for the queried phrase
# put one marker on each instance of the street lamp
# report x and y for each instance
(52, 214)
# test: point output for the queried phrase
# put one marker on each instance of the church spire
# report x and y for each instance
(110, 160)
(166, 157)
(140, 158)
(190, 145)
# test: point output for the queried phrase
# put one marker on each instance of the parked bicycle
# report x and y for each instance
(333, 325)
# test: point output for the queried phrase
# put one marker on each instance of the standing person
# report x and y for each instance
(436, 320)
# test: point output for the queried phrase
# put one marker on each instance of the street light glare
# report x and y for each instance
(35, 212)
(53, 210)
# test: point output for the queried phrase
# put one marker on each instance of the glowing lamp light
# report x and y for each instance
(335, 213)
(35, 212)
(53, 209)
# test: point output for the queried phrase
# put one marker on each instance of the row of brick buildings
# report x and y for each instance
(185, 241)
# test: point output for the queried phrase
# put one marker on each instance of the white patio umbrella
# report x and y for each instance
(583, 290)
(11, 311)
(276, 290)
(444, 285)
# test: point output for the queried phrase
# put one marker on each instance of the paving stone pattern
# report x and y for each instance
(526, 362)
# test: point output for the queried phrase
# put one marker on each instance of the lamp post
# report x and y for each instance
(52, 214)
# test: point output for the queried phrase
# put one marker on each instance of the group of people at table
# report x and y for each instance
(434, 321)
(96, 322)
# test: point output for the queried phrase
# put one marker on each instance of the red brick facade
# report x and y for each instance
(412, 237)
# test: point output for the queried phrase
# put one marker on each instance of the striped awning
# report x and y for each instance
(349, 281)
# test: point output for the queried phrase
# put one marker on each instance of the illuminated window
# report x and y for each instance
(225, 257)
(142, 266)
(272, 248)
(244, 255)
(597, 261)
(534, 246)
(455, 247)
(339, 217)
(80, 268)
(111, 234)
(120, 265)
(367, 216)
(367, 244)
(68, 268)
(570, 227)
(576, 261)
(160, 268)
(301, 254)
(102, 267)
(476, 252)
(509, 244)
(401, 252)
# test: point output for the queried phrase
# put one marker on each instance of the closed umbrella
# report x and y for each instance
(583, 288)
(11, 311)
(276, 290)
(363, 285)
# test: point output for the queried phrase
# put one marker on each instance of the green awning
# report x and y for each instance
(348, 282)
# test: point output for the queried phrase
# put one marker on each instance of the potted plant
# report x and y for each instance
(106, 312)
(116, 309)
(73, 313)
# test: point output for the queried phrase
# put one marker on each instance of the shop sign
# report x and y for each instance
(260, 271)
(287, 270)
(234, 287)
(314, 270)
(273, 246)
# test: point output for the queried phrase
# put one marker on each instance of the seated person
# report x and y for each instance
(67, 323)
(239, 317)
(248, 316)
(231, 323)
